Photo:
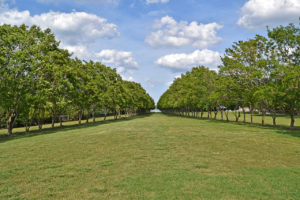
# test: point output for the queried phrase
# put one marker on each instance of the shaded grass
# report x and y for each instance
(282, 121)
(46, 127)
(152, 157)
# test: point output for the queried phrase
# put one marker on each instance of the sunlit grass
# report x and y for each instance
(152, 157)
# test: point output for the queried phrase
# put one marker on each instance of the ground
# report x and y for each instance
(152, 157)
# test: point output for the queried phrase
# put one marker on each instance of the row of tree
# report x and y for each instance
(261, 74)
(40, 81)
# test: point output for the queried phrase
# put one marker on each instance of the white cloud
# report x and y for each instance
(184, 61)
(122, 60)
(156, 1)
(120, 70)
(130, 78)
(76, 27)
(260, 13)
(76, 30)
(80, 51)
(71, 28)
(177, 34)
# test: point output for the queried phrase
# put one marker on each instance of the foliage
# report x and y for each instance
(261, 74)
(39, 81)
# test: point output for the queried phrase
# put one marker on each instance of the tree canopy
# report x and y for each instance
(261, 74)
(40, 81)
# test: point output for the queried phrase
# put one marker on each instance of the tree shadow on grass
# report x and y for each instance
(295, 132)
(19, 135)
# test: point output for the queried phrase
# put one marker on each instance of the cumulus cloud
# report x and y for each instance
(180, 62)
(76, 30)
(156, 1)
(71, 28)
(80, 51)
(260, 13)
(128, 78)
(171, 33)
(122, 60)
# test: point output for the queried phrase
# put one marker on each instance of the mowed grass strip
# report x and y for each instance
(152, 157)
(21, 130)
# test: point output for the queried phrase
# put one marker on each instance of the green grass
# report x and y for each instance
(283, 121)
(152, 157)
(21, 130)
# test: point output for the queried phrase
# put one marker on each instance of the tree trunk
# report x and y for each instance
(263, 118)
(9, 130)
(244, 113)
(292, 120)
(53, 114)
(274, 118)
(27, 124)
(41, 117)
(115, 115)
(94, 118)
(226, 114)
(60, 121)
(53, 121)
(237, 115)
(251, 114)
(104, 116)
(40, 124)
(87, 117)
(202, 114)
(11, 122)
(216, 113)
(79, 117)
(27, 127)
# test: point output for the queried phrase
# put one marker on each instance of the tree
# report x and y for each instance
(19, 48)
(286, 42)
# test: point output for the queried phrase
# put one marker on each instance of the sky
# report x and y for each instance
(151, 41)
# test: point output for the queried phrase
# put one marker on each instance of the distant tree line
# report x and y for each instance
(262, 74)
(40, 81)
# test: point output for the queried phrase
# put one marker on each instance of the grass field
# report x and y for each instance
(21, 130)
(152, 157)
(282, 121)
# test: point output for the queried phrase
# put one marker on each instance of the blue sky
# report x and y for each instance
(151, 41)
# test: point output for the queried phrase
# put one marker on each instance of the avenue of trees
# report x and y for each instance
(40, 82)
(261, 74)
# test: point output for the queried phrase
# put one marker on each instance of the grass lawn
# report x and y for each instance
(21, 130)
(152, 157)
(282, 121)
